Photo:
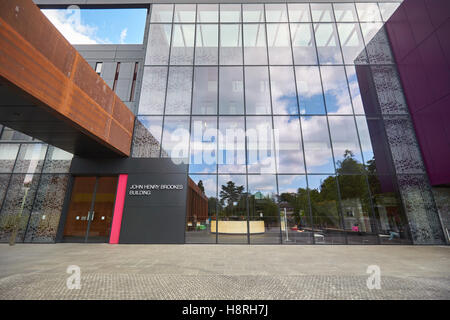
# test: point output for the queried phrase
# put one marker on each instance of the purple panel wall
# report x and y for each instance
(419, 32)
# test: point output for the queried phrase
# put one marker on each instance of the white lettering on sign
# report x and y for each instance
(146, 189)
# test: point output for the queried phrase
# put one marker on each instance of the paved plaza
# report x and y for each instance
(38, 271)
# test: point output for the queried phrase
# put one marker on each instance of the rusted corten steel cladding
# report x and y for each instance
(38, 61)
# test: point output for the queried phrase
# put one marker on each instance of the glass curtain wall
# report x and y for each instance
(284, 146)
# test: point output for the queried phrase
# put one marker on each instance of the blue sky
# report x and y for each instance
(103, 26)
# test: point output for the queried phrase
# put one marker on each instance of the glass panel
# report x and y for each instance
(147, 137)
(162, 13)
(353, 84)
(276, 12)
(230, 13)
(327, 43)
(316, 141)
(257, 93)
(232, 220)
(231, 90)
(205, 90)
(179, 90)
(8, 154)
(47, 208)
(10, 134)
(325, 210)
(184, 13)
(182, 51)
(347, 152)
(175, 141)
(57, 161)
(288, 144)
(230, 44)
(284, 96)
(364, 137)
(391, 220)
(352, 43)
(17, 206)
(153, 91)
(356, 209)
(279, 44)
(299, 12)
(253, 12)
(309, 89)
(322, 12)
(4, 181)
(345, 12)
(296, 227)
(31, 158)
(387, 9)
(158, 44)
(201, 209)
(101, 218)
(207, 42)
(368, 12)
(377, 43)
(231, 145)
(255, 48)
(203, 158)
(260, 145)
(389, 92)
(263, 209)
(337, 97)
(303, 43)
(207, 13)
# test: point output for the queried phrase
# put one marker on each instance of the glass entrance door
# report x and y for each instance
(91, 209)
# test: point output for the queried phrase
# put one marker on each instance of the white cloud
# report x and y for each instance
(123, 35)
(68, 22)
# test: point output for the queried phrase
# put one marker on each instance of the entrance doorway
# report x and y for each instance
(90, 211)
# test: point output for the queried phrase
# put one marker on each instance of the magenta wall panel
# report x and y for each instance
(419, 32)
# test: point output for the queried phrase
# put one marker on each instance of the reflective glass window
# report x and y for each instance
(255, 48)
(31, 158)
(203, 147)
(253, 12)
(179, 89)
(309, 88)
(288, 144)
(230, 13)
(57, 161)
(387, 9)
(284, 96)
(182, 51)
(161, 13)
(207, 13)
(8, 154)
(147, 137)
(260, 145)
(322, 12)
(325, 210)
(231, 90)
(207, 42)
(175, 138)
(264, 219)
(231, 44)
(345, 12)
(337, 98)
(299, 12)
(368, 12)
(158, 44)
(205, 90)
(231, 156)
(352, 43)
(184, 13)
(303, 44)
(327, 43)
(153, 91)
(347, 153)
(276, 12)
(279, 44)
(377, 43)
(257, 92)
(355, 93)
(316, 142)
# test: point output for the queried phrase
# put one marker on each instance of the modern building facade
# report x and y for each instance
(264, 122)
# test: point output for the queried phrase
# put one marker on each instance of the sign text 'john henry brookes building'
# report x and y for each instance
(262, 122)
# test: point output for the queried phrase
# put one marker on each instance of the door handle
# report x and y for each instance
(93, 213)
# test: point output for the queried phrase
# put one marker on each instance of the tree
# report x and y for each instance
(230, 193)
(200, 186)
